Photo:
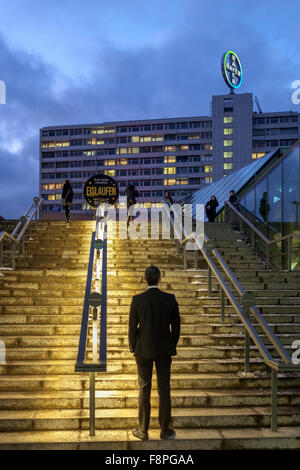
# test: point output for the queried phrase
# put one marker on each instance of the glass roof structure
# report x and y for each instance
(236, 181)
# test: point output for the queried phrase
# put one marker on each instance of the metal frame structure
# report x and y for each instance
(266, 240)
(17, 236)
(244, 309)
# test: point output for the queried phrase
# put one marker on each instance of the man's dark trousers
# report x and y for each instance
(163, 372)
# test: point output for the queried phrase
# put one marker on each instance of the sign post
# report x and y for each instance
(99, 190)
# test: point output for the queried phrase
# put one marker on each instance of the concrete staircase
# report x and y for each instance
(44, 403)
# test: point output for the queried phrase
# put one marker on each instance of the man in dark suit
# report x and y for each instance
(154, 329)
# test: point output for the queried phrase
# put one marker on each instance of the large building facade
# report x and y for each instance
(177, 154)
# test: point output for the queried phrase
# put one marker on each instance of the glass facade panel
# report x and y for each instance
(291, 182)
(250, 200)
(261, 200)
(275, 196)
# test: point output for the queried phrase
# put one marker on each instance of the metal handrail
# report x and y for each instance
(95, 309)
(264, 238)
(268, 226)
(248, 305)
(17, 237)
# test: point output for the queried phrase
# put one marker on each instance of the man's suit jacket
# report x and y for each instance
(152, 313)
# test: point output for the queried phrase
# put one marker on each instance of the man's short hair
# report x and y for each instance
(152, 275)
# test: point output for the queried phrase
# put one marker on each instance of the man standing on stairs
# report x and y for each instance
(154, 329)
(67, 198)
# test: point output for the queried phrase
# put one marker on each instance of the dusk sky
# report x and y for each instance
(75, 61)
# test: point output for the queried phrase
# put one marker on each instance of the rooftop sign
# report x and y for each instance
(231, 69)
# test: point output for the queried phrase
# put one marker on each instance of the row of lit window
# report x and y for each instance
(122, 150)
(122, 161)
(167, 170)
(103, 130)
(52, 186)
(182, 181)
(150, 138)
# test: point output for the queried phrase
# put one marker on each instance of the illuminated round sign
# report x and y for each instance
(100, 188)
(231, 69)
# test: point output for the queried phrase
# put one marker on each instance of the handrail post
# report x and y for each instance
(1, 254)
(252, 238)
(92, 403)
(222, 305)
(247, 352)
(289, 257)
(195, 257)
(209, 282)
(13, 256)
(267, 257)
(184, 258)
(274, 400)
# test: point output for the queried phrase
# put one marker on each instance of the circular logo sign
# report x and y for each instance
(231, 69)
(100, 188)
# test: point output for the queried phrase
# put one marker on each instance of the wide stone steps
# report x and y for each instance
(42, 397)
(19, 353)
(109, 382)
(127, 399)
(27, 420)
(186, 439)
(66, 366)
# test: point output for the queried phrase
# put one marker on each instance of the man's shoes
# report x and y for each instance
(143, 436)
(168, 435)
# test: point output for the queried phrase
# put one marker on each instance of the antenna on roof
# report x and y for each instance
(258, 105)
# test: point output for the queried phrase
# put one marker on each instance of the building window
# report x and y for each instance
(170, 170)
(109, 162)
(228, 131)
(181, 181)
(170, 159)
(228, 154)
(208, 168)
(228, 119)
(170, 148)
(110, 172)
(228, 143)
(228, 166)
(208, 180)
(256, 155)
(126, 150)
(169, 182)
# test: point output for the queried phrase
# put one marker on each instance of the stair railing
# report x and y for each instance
(95, 310)
(268, 243)
(17, 237)
(244, 308)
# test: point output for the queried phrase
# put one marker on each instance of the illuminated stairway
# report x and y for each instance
(44, 403)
